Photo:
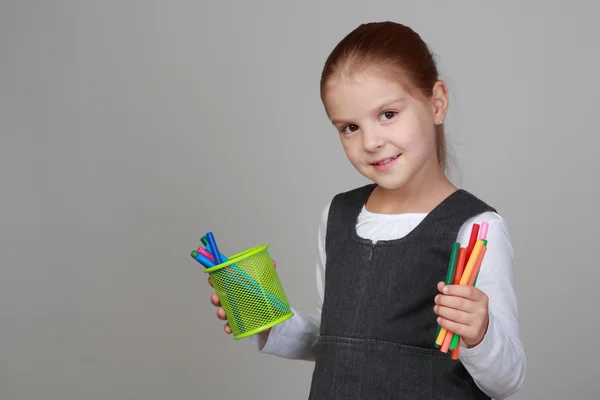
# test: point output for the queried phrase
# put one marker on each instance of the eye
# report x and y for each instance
(349, 128)
(389, 114)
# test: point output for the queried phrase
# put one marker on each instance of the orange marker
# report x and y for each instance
(446, 343)
(471, 263)
(455, 352)
(477, 266)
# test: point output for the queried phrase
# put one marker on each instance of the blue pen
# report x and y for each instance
(214, 249)
(202, 260)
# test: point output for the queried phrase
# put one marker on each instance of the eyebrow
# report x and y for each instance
(380, 107)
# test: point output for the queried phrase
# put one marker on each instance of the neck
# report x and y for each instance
(421, 194)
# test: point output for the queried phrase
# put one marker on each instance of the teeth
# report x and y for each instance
(387, 160)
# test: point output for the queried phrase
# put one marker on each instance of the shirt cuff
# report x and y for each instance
(294, 338)
(265, 342)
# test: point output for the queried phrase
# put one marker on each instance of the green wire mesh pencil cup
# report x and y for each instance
(250, 292)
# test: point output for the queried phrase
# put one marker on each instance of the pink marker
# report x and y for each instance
(205, 253)
(483, 231)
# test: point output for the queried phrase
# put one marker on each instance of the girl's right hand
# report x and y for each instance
(214, 299)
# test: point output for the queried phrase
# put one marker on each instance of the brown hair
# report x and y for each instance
(393, 45)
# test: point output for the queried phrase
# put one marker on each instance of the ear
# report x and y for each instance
(439, 102)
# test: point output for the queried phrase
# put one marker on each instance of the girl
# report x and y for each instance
(384, 247)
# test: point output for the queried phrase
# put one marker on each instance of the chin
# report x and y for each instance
(387, 182)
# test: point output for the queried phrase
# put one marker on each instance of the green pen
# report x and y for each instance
(452, 263)
(450, 275)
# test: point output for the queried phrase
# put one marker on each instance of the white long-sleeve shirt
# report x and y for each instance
(497, 364)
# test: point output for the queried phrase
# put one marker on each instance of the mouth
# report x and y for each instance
(386, 160)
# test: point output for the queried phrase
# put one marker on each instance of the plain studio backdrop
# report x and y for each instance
(130, 129)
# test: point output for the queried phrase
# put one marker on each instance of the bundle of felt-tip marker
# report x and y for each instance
(247, 285)
(463, 269)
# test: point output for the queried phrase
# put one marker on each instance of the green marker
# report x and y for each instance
(450, 275)
(452, 263)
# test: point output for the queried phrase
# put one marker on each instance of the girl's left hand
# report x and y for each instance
(463, 309)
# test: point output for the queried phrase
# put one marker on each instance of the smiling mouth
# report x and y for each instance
(386, 161)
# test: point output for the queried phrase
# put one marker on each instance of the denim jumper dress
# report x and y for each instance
(378, 326)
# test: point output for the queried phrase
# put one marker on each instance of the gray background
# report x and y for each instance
(129, 129)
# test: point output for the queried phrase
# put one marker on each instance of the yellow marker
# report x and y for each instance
(441, 336)
(464, 279)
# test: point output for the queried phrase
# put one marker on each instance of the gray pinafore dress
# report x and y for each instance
(378, 326)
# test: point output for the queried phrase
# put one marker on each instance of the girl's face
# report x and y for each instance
(387, 134)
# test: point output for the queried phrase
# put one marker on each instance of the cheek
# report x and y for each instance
(417, 137)
(347, 146)
(351, 149)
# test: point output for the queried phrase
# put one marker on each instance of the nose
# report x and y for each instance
(372, 141)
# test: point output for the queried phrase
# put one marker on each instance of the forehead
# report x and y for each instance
(351, 96)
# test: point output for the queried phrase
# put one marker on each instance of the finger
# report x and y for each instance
(214, 299)
(466, 291)
(221, 314)
(227, 329)
(455, 327)
(457, 303)
(274, 263)
(454, 315)
(209, 282)
(440, 286)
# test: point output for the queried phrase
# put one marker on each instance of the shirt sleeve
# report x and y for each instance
(296, 337)
(498, 363)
